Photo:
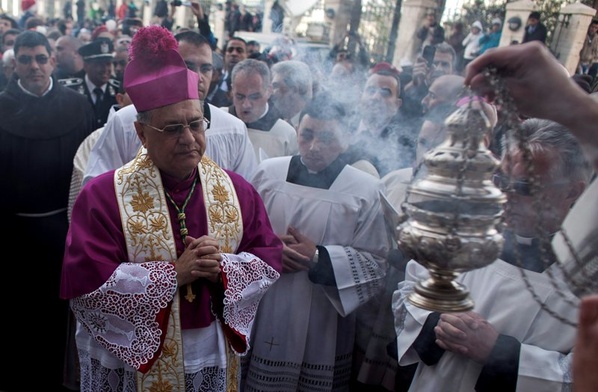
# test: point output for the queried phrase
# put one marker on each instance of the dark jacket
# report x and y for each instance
(39, 137)
(437, 37)
(108, 99)
(539, 34)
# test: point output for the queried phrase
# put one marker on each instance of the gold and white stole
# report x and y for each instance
(148, 234)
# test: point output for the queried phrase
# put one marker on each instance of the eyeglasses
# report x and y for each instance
(195, 126)
(504, 183)
(521, 187)
(40, 59)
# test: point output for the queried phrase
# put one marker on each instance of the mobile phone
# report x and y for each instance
(428, 54)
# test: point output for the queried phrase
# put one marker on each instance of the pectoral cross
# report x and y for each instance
(190, 296)
(183, 228)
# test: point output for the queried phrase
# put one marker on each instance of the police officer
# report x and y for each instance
(98, 84)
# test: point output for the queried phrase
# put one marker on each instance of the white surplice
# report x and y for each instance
(580, 229)
(278, 141)
(227, 144)
(304, 332)
(502, 297)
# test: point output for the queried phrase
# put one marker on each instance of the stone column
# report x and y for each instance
(266, 22)
(50, 9)
(217, 15)
(517, 11)
(146, 11)
(11, 8)
(45, 8)
(412, 16)
(42, 8)
(570, 33)
(178, 17)
(342, 16)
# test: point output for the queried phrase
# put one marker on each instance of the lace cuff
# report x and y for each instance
(121, 314)
(247, 279)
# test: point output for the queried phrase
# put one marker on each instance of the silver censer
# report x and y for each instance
(453, 213)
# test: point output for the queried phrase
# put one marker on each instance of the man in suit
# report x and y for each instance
(98, 84)
(235, 52)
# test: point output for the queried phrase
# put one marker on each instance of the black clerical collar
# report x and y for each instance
(300, 175)
(264, 123)
(206, 112)
(533, 254)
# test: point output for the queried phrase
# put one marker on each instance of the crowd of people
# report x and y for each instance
(196, 217)
(469, 44)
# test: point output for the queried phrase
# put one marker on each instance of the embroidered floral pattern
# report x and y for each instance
(148, 234)
(141, 199)
(125, 329)
(224, 217)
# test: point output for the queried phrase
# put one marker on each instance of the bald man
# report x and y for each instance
(446, 89)
(69, 63)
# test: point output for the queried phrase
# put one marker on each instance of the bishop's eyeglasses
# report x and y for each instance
(176, 130)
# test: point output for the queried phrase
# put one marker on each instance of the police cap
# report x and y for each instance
(98, 49)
